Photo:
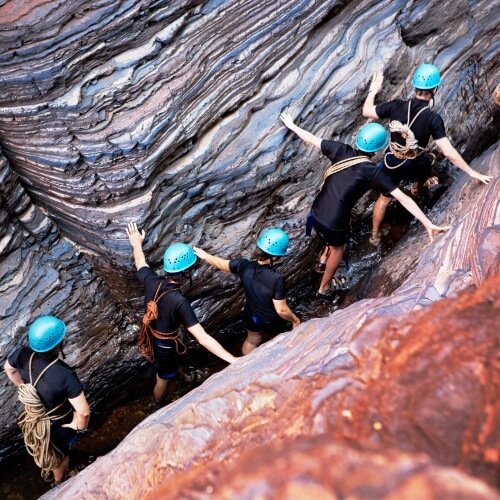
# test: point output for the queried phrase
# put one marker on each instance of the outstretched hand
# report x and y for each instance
(135, 236)
(377, 80)
(287, 119)
(485, 179)
(200, 253)
(433, 229)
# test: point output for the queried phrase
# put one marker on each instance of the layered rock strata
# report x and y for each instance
(42, 273)
(411, 372)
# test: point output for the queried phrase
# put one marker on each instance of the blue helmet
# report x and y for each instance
(274, 242)
(426, 77)
(178, 257)
(45, 333)
(372, 137)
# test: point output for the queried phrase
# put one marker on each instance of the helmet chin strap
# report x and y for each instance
(62, 353)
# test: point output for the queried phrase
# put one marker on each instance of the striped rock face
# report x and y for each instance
(166, 113)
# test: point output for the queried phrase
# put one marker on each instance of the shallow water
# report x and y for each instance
(20, 478)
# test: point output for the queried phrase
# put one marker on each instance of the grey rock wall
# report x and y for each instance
(167, 114)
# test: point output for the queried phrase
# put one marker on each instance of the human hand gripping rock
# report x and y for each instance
(135, 236)
(377, 80)
(485, 179)
(200, 253)
(287, 120)
(432, 229)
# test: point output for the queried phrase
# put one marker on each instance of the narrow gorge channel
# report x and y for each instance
(167, 114)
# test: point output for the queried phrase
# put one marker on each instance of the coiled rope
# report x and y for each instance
(410, 150)
(34, 422)
(145, 340)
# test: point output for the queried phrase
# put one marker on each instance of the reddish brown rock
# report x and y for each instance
(422, 382)
(318, 468)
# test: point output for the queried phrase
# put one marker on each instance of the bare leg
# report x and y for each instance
(332, 264)
(251, 342)
(160, 390)
(60, 471)
(378, 216)
(324, 254)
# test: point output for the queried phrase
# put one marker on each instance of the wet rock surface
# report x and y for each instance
(412, 371)
(168, 115)
(420, 382)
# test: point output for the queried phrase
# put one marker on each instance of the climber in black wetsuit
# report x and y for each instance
(341, 189)
(57, 386)
(266, 309)
(174, 310)
(401, 161)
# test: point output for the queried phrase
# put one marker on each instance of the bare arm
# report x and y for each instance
(455, 157)
(81, 415)
(13, 374)
(136, 238)
(210, 343)
(369, 110)
(213, 260)
(285, 312)
(414, 209)
(303, 134)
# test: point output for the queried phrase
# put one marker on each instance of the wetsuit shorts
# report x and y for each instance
(333, 237)
(419, 169)
(62, 438)
(254, 323)
(167, 361)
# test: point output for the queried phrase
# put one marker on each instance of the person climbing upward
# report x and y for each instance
(168, 312)
(351, 174)
(412, 124)
(266, 309)
(56, 410)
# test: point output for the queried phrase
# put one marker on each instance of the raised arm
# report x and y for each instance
(285, 312)
(369, 110)
(414, 209)
(136, 238)
(455, 157)
(303, 134)
(213, 260)
(210, 343)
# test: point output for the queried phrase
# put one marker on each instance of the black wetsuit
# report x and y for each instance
(174, 310)
(331, 210)
(428, 124)
(58, 384)
(261, 284)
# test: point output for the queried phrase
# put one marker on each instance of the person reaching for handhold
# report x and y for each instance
(412, 124)
(351, 174)
(266, 309)
(168, 312)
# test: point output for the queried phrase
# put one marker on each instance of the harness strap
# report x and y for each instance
(145, 343)
(48, 413)
(42, 372)
(343, 164)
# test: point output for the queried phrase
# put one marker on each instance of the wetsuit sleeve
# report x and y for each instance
(330, 149)
(384, 110)
(145, 273)
(186, 314)
(383, 183)
(438, 130)
(73, 385)
(280, 289)
(13, 357)
(236, 266)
